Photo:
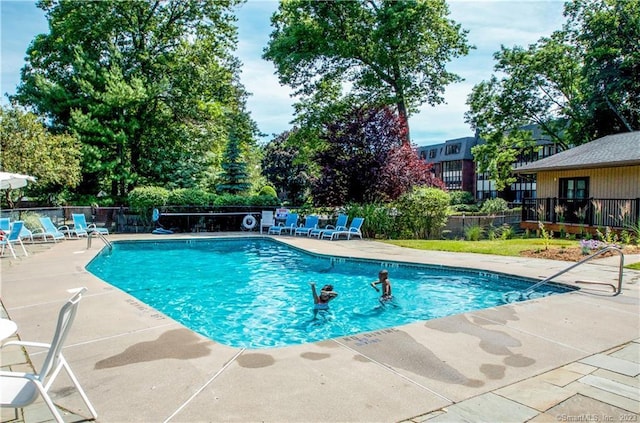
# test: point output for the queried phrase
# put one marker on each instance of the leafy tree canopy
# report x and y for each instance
(386, 52)
(149, 87)
(283, 166)
(364, 161)
(26, 146)
(579, 84)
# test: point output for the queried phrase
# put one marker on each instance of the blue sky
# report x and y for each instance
(491, 23)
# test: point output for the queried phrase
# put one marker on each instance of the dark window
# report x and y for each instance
(432, 153)
(452, 149)
(574, 188)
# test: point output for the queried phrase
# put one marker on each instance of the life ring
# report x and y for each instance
(249, 222)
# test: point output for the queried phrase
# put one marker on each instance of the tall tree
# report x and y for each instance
(144, 84)
(607, 32)
(234, 168)
(26, 146)
(388, 52)
(578, 84)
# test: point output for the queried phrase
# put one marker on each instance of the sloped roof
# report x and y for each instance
(610, 151)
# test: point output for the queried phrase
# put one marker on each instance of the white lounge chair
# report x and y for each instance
(267, 220)
(19, 389)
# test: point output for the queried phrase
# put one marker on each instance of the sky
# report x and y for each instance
(491, 23)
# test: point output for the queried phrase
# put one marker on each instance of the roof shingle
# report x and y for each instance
(610, 151)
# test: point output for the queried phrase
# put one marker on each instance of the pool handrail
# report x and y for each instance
(617, 290)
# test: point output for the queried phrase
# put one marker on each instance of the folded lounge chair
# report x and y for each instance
(290, 225)
(48, 230)
(20, 389)
(353, 230)
(310, 223)
(341, 225)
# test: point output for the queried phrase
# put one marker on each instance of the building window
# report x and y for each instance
(452, 149)
(423, 155)
(432, 153)
(574, 188)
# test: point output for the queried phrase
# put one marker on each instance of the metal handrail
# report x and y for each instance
(584, 260)
(101, 236)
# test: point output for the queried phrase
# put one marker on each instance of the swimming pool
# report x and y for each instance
(255, 293)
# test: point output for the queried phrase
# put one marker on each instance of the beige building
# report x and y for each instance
(594, 185)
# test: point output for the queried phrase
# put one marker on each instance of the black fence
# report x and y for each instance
(611, 212)
(177, 218)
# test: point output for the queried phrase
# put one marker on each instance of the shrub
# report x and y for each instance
(188, 196)
(264, 200)
(231, 200)
(31, 220)
(268, 190)
(461, 198)
(378, 221)
(465, 208)
(494, 205)
(143, 200)
(423, 211)
(473, 233)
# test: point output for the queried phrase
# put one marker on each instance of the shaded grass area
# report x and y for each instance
(507, 247)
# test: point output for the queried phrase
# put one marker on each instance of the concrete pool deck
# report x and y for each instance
(569, 357)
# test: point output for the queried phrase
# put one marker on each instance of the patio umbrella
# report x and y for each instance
(14, 180)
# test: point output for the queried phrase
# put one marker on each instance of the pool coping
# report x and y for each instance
(138, 365)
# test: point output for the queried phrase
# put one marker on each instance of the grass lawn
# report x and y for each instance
(634, 266)
(507, 247)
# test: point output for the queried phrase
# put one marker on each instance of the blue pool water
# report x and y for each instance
(255, 292)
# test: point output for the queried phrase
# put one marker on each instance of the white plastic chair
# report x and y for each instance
(20, 389)
(267, 220)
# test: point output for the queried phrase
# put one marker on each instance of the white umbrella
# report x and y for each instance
(14, 180)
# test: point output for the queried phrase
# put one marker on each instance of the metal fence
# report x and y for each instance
(614, 213)
(457, 224)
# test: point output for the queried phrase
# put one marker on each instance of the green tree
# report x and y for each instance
(387, 52)
(146, 85)
(26, 146)
(607, 32)
(234, 176)
(284, 166)
(578, 84)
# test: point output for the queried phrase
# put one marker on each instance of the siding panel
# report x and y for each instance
(612, 182)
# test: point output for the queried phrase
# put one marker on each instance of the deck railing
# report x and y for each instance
(595, 212)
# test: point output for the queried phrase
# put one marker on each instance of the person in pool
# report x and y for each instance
(321, 302)
(383, 279)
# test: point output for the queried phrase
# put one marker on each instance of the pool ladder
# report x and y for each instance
(526, 294)
(101, 236)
